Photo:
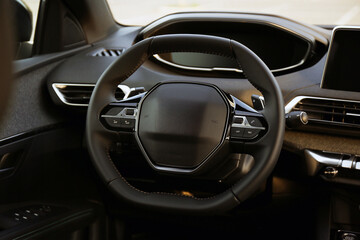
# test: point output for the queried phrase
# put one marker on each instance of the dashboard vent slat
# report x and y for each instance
(79, 94)
(330, 112)
(108, 52)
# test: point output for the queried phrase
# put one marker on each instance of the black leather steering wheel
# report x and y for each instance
(206, 103)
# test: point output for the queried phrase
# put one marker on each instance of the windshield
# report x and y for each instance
(33, 5)
(337, 12)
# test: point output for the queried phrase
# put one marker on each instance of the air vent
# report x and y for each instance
(108, 52)
(79, 94)
(334, 112)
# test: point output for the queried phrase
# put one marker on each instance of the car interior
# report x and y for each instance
(197, 125)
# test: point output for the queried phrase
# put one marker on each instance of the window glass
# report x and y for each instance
(33, 5)
(339, 12)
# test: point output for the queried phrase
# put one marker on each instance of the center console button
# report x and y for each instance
(346, 163)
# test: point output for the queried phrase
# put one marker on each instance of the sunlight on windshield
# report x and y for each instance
(339, 12)
(33, 5)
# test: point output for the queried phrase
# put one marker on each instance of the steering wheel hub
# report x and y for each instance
(181, 124)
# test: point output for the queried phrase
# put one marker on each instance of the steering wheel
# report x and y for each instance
(186, 128)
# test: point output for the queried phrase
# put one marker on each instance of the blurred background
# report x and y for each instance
(140, 12)
(339, 12)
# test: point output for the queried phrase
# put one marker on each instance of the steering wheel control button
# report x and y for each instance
(251, 127)
(238, 120)
(120, 119)
(255, 122)
(113, 122)
(237, 132)
(120, 123)
(127, 123)
(130, 111)
(251, 133)
(258, 102)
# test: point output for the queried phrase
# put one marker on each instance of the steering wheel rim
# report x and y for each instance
(99, 138)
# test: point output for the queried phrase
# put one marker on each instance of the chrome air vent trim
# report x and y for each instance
(58, 86)
(297, 99)
(338, 113)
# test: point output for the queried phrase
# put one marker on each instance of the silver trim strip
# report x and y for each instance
(297, 99)
(331, 43)
(262, 100)
(122, 114)
(223, 69)
(56, 86)
(353, 114)
(333, 159)
(321, 158)
(245, 124)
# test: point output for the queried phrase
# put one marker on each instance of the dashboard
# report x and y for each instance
(279, 46)
(296, 53)
(182, 126)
